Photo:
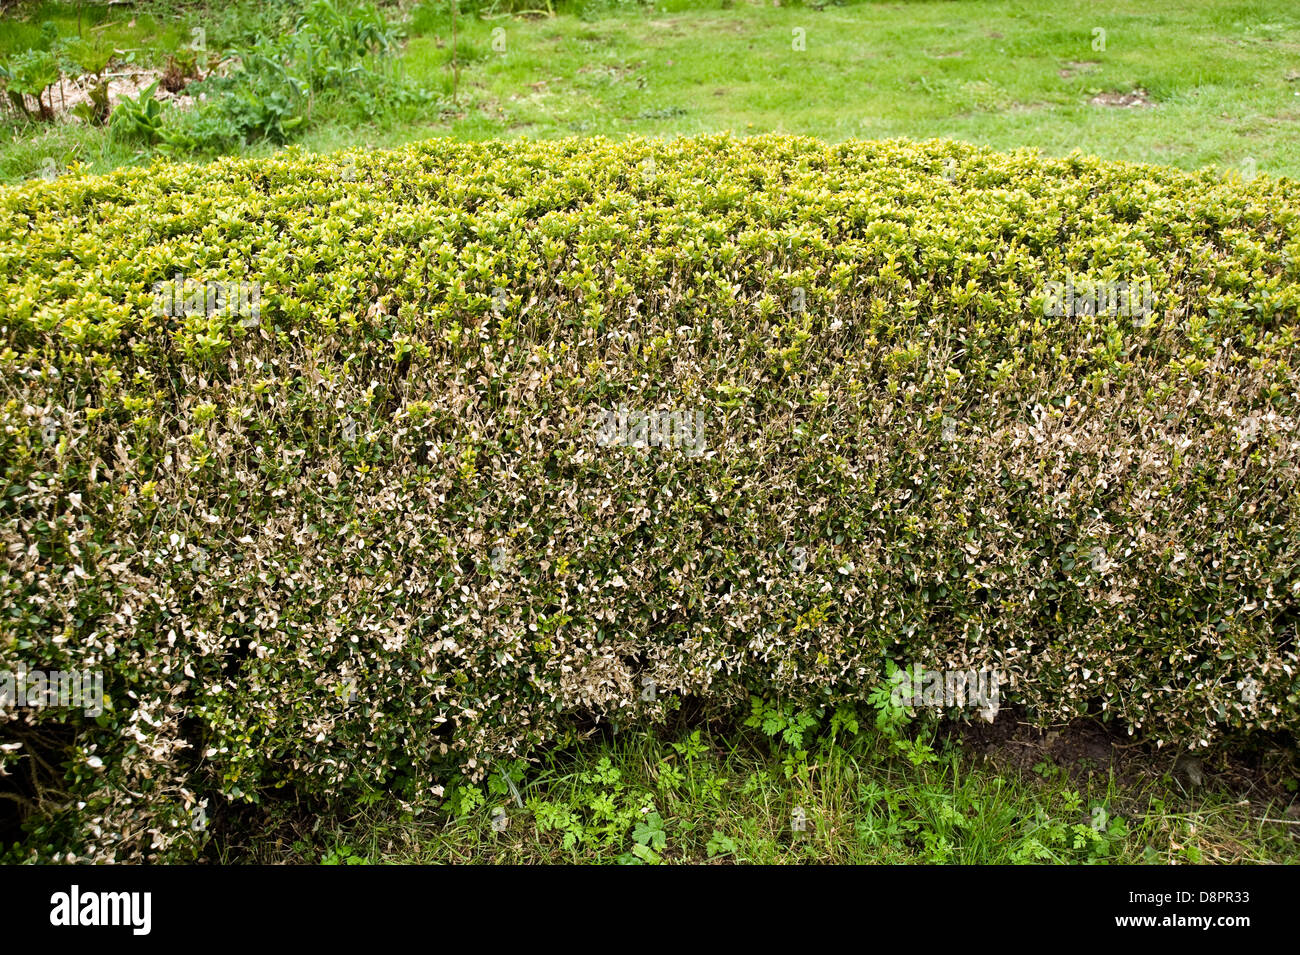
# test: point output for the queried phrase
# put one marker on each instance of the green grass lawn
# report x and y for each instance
(736, 796)
(1220, 81)
(127, 30)
(1223, 78)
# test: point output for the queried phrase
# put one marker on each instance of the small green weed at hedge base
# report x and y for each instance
(313, 457)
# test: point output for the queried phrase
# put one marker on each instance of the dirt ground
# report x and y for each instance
(122, 82)
(1083, 748)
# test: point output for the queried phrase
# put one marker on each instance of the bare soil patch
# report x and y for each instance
(1135, 99)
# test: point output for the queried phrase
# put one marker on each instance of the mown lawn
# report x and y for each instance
(1223, 79)
(1217, 83)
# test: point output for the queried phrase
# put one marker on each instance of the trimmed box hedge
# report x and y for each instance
(367, 516)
